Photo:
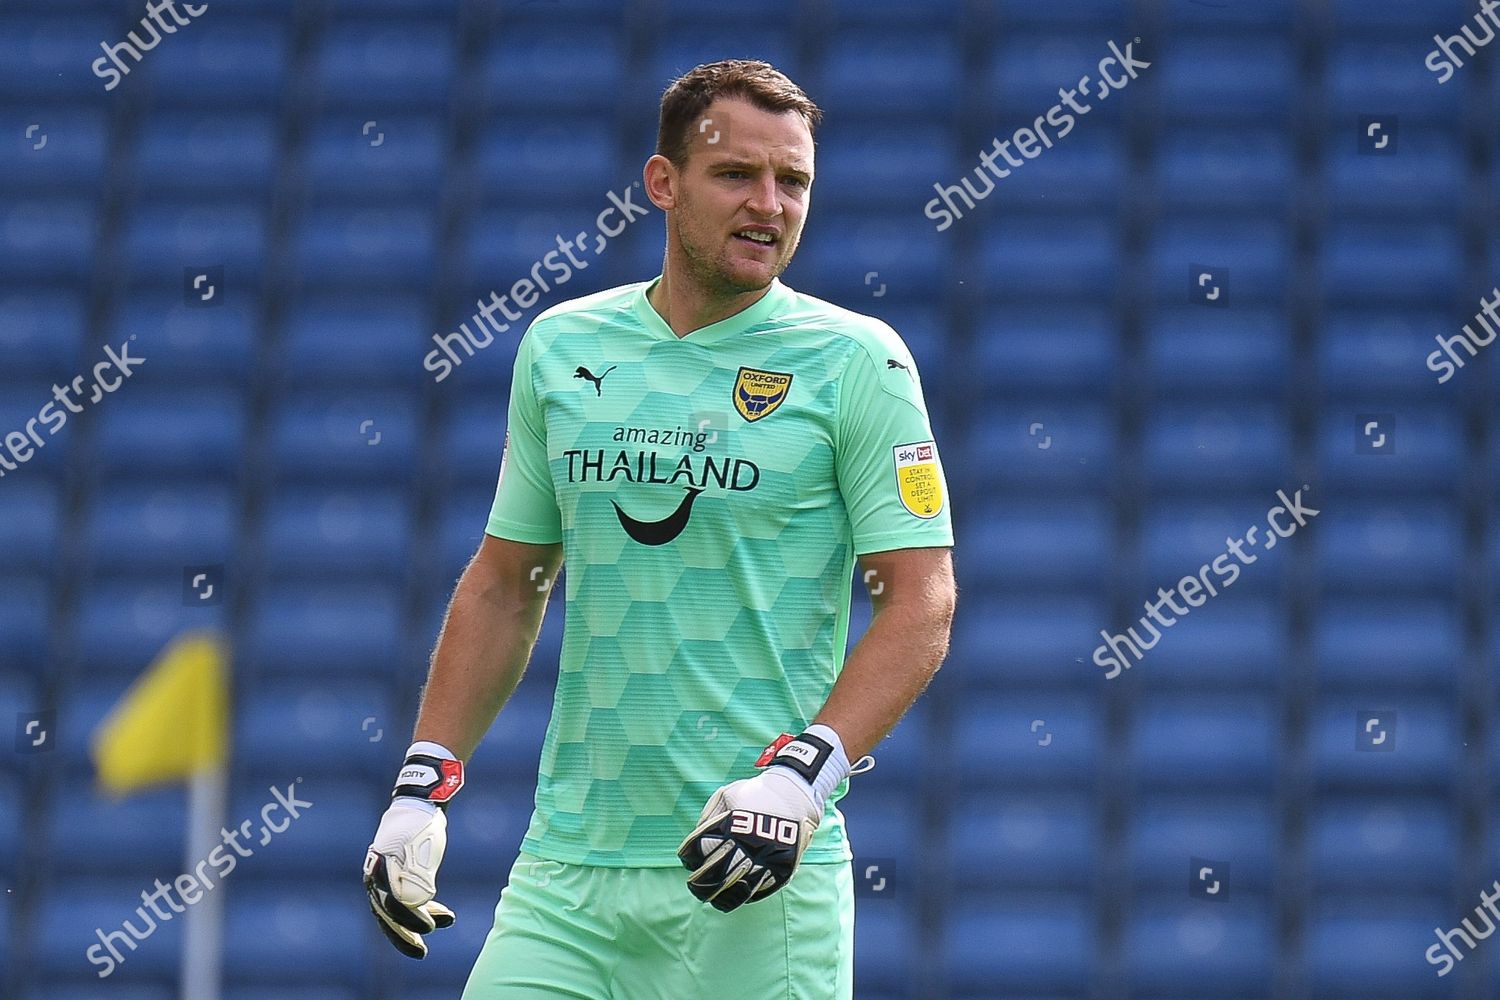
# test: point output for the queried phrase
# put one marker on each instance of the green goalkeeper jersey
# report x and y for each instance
(711, 493)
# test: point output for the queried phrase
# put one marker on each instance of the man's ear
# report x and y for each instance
(660, 178)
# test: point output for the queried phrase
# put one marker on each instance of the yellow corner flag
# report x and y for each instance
(172, 723)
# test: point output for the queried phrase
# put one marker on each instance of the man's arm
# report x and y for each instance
(914, 594)
(486, 641)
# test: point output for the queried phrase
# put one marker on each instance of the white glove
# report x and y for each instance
(750, 838)
(402, 861)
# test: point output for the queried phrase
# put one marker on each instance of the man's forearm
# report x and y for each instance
(888, 669)
(487, 637)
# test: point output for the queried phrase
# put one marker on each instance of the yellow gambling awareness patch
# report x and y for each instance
(919, 478)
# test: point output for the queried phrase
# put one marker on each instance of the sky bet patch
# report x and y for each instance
(919, 478)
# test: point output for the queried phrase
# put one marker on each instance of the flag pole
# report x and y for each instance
(203, 930)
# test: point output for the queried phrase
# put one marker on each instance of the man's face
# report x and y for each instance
(747, 171)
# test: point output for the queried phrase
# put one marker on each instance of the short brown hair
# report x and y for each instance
(688, 96)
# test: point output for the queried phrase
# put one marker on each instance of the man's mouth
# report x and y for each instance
(756, 237)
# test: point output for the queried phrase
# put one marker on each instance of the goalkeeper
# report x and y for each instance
(708, 453)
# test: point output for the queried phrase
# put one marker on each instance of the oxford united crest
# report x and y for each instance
(757, 394)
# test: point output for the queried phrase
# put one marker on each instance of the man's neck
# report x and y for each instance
(685, 308)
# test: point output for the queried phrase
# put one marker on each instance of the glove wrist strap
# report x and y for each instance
(817, 757)
(429, 778)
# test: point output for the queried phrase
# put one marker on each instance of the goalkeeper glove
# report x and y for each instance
(402, 862)
(751, 836)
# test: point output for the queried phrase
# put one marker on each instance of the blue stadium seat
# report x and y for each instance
(186, 345)
(353, 438)
(1426, 179)
(883, 821)
(1083, 170)
(1018, 546)
(162, 241)
(1388, 77)
(1193, 949)
(1352, 951)
(398, 159)
(1237, 642)
(1167, 831)
(366, 248)
(1247, 355)
(1424, 453)
(1381, 355)
(335, 535)
(1082, 17)
(1210, 168)
(49, 240)
(1410, 549)
(1045, 351)
(322, 838)
(692, 43)
(140, 529)
(64, 150)
(1044, 258)
(1248, 78)
(277, 932)
(473, 437)
(235, 64)
(1181, 14)
(1025, 70)
(1425, 737)
(42, 464)
(865, 168)
(900, 756)
(185, 153)
(122, 625)
(1039, 446)
(1026, 840)
(41, 338)
(1228, 743)
(350, 628)
(889, 73)
(390, 331)
(503, 246)
(846, 246)
(1200, 450)
(999, 744)
(1036, 930)
(1382, 845)
(313, 729)
(391, 65)
(1396, 18)
(78, 715)
(459, 530)
(571, 70)
(31, 519)
(485, 837)
(49, 59)
(886, 955)
(140, 836)
(12, 812)
(1256, 253)
(75, 912)
(523, 164)
(1026, 640)
(512, 748)
(1391, 264)
(151, 435)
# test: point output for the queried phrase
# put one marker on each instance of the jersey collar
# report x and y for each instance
(745, 319)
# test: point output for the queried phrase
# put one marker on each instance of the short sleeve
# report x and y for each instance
(525, 508)
(888, 466)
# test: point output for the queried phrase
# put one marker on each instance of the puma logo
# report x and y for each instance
(893, 363)
(583, 372)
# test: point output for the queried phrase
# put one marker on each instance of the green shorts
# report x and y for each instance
(593, 933)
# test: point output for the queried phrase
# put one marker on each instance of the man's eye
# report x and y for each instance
(800, 182)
